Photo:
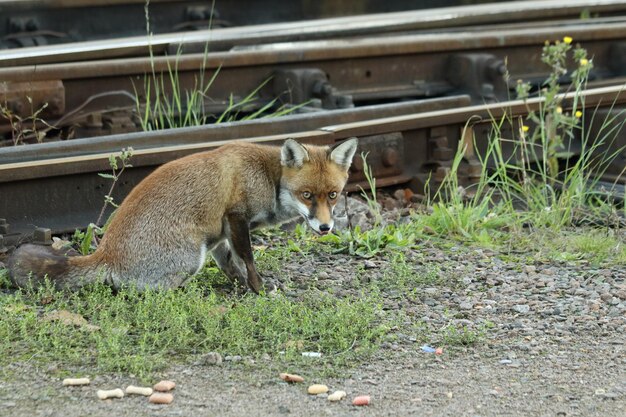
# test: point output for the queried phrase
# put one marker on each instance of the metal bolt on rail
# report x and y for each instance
(42, 236)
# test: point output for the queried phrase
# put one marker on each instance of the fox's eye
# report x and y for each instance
(332, 195)
(306, 195)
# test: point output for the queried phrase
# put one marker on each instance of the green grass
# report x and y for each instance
(144, 333)
(405, 277)
(594, 246)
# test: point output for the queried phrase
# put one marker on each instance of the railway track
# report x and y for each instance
(96, 98)
(60, 189)
(406, 93)
(43, 22)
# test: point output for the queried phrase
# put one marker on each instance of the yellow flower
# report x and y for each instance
(584, 62)
(559, 110)
(568, 39)
(578, 114)
(525, 128)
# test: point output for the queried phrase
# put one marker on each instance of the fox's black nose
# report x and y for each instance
(324, 228)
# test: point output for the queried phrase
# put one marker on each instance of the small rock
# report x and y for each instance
(212, 358)
(369, 264)
(466, 305)
(521, 308)
(59, 244)
(400, 195)
(530, 269)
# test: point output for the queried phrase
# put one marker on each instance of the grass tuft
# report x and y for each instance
(143, 333)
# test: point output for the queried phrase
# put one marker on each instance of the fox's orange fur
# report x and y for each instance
(207, 202)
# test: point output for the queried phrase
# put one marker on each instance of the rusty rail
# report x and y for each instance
(65, 192)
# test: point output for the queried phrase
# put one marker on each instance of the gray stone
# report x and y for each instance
(522, 308)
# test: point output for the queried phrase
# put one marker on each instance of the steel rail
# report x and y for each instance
(64, 193)
(362, 70)
(341, 27)
(314, 52)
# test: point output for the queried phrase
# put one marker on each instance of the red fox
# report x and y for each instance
(206, 202)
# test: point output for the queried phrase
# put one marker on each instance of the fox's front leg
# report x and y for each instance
(240, 243)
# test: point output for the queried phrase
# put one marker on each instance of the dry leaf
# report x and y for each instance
(70, 319)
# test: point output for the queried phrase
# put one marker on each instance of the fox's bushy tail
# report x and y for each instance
(32, 264)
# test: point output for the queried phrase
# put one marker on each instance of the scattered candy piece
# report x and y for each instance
(112, 393)
(291, 377)
(361, 400)
(439, 351)
(337, 396)
(428, 349)
(161, 398)
(317, 389)
(164, 386)
(76, 381)
(131, 389)
(312, 354)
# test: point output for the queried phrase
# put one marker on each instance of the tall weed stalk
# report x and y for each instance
(165, 102)
(544, 181)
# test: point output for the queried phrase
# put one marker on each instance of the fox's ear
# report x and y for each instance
(293, 154)
(343, 153)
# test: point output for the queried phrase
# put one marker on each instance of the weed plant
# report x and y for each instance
(25, 128)
(87, 241)
(542, 179)
(540, 184)
(166, 103)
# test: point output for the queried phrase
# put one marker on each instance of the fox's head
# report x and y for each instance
(313, 178)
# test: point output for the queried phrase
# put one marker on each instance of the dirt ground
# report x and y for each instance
(553, 343)
(580, 378)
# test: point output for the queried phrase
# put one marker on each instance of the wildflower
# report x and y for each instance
(559, 110)
(525, 128)
(584, 62)
(568, 39)
(578, 114)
